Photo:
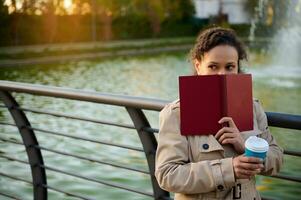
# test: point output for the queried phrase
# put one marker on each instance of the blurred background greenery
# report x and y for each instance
(55, 29)
(24, 22)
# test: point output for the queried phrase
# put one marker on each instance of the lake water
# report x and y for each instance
(277, 87)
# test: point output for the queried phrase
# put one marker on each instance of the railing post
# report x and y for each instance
(30, 141)
(149, 144)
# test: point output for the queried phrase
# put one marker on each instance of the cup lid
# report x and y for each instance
(257, 144)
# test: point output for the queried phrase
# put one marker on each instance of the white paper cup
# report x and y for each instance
(256, 147)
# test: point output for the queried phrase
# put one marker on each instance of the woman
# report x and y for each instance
(213, 166)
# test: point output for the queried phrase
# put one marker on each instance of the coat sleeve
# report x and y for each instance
(175, 172)
(274, 158)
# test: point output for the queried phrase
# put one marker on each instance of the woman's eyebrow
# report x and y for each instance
(212, 62)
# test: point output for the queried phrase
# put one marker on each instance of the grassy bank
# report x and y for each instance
(41, 54)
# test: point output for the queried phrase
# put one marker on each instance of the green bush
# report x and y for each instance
(131, 26)
(242, 30)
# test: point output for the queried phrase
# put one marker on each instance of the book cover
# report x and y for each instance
(204, 100)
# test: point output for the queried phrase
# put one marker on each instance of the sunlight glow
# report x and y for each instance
(68, 4)
(9, 4)
(11, 9)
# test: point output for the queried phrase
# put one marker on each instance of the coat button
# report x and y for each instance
(205, 146)
(220, 187)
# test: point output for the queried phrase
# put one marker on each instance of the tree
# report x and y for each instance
(159, 11)
(105, 10)
(3, 8)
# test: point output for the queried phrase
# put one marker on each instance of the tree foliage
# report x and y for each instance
(50, 21)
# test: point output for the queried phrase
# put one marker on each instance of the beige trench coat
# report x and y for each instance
(199, 167)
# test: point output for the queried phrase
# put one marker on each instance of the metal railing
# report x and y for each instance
(134, 106)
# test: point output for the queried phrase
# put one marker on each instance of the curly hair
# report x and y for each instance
(212, 37)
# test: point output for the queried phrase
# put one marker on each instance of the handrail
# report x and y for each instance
(134, 107)
(91, 96)
(284, 120)
(122, 100)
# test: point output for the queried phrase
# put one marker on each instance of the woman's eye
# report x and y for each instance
(213, 67)
(230, 67)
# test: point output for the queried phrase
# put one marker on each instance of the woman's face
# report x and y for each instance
(222, 59)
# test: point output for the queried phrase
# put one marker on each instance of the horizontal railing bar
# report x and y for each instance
(11, 141)
(9, 196)
(14, 159)
(283, 120)
(76, 156)
(286, 177)
(74, 94)
(66, 193)
(112, 99)
(8, 124)
(77, 118)
(286, 152)
(275, 119)
(167, 198)
(147, 129)
(91, 160)
(292, 152)
(97, 181)
(280, 176)
(43, 185)
(82, 177)
(150, 130)
(15, 178)
(87, 139)
(266, 198)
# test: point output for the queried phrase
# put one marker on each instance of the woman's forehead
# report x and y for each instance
(221, 53)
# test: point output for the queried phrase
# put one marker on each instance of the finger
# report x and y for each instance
(219, 133)
(223, 130)
(246, 172)
(225, 136)
(250, 166)
(241, 176)
(224, 119)
(229, 120)
(250, 159)
(254, 172)
(229, 141)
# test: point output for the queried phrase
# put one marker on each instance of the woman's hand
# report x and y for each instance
(230, 135)
(246, 167)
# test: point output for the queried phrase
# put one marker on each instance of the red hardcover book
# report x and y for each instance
(204, 100)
